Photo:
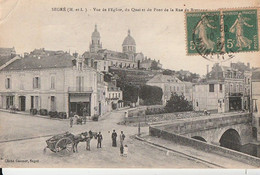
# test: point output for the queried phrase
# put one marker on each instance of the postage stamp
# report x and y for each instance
(241, 30)
(216, 35)
(203, 32)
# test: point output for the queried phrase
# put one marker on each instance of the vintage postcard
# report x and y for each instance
(130, 84)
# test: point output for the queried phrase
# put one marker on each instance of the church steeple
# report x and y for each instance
(95, 41)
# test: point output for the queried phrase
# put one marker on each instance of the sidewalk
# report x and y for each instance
(220, 161)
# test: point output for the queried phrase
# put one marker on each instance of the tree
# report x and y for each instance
(130, 93)
(178, 103)
(168, 72)
(151, 95)
(154, 65)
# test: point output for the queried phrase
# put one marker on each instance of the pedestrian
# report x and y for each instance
(125, 152)
(122, 138)
(99, 138)
(114, 136)
(88, 143)
(121, 150)
(71, 122)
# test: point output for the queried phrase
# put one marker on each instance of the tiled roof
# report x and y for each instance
(35, 62)
(5, 59)
(164, 79)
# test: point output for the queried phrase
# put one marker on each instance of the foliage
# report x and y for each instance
(168, 72)
(154, 65)
(178, 103)
(151, 95)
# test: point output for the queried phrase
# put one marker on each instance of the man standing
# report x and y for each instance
(89, 137)
(71, 121)
(99, 138)
(122, 138)
(114, 136)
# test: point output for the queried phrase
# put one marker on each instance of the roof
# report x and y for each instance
(42, 52)
(43, 62)
(6, 51)
(256, 75)
(129, 40)
(160, 78)
(111, 53)
(4, 59)
(93, 55)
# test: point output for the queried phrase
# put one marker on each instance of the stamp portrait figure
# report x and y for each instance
(237, 28)
(201, 30)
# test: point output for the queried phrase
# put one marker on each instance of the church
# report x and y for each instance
(102, 59)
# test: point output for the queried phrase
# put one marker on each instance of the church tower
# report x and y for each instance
(129, 46)
(95, 44)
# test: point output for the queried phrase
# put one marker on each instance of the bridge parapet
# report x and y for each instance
(205, 123)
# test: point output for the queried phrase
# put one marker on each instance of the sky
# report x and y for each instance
(30, 24)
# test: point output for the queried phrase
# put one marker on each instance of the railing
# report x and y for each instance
(80, 89)
(235, 94)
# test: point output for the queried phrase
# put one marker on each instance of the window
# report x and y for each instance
(8, 83)
(36, 82)
(211, 87)
(52, 82)
(220, 87)
(104, 67)
(36, 102)
(79, 83)
(21, 82)
(119, 95)
(197, 104)
(53, 103)
(248, 81)
(177, 88)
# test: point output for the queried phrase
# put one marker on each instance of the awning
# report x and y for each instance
(80, 97)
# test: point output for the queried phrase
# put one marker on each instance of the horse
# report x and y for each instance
(82, 138)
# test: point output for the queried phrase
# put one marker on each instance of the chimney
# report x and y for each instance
(248, 65)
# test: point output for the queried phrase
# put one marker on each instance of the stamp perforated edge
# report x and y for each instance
(225, 9)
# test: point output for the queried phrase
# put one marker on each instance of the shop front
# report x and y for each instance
(79, 104)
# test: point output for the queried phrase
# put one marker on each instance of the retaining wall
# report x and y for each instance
(205, 146)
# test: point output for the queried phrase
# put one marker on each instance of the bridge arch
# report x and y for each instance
(199, 138)
(231, 139)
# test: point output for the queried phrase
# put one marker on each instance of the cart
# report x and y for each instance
(61, 144)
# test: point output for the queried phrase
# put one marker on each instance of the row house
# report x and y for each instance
(169, 85)
(56, 82)
(226, 89)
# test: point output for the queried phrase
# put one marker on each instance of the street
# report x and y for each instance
(23, 139)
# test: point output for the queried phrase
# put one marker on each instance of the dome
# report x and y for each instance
(96, 33)
(129, 40)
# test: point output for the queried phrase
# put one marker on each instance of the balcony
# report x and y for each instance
(80, 90)
(235, 94)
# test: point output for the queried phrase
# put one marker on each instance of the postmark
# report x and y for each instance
(217, 35)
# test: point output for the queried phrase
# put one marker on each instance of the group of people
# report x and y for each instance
(123, 148)
(99, 137)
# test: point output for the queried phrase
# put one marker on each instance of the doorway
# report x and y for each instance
(22, 101)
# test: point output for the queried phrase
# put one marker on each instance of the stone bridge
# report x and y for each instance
(230, 130)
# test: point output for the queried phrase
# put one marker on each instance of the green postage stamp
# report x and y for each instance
(222, 32)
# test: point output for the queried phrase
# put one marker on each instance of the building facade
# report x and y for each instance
(57, 82)
(226, 89)
(169, 84)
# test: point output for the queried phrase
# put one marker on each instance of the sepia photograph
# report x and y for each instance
(160, 84)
